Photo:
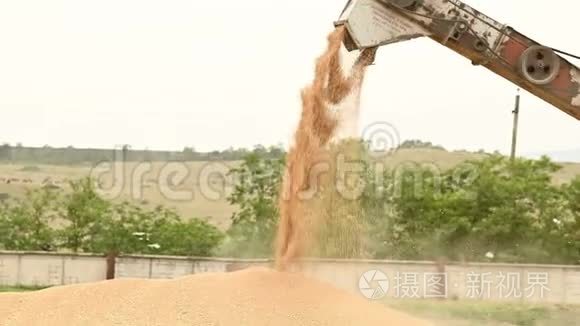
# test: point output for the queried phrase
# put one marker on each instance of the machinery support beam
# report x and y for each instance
(479, 38)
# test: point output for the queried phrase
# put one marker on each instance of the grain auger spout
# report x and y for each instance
(532, 66)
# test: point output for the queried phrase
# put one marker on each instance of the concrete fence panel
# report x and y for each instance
(9, 267)
(398, 279)
(84, 269)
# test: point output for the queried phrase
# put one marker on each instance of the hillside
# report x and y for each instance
(572, 155)
(195, 189)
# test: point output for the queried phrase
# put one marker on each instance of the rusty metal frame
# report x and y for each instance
(484, 41)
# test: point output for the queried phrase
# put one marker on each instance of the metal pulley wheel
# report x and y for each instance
(540, 65)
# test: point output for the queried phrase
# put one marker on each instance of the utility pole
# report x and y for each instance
(516, 113)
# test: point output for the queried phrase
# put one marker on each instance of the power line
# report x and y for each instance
(566, 53)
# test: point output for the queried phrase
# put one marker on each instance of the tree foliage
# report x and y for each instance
(82, 221)
(511, 209)
(84, 210)
(70, 155)
(256, 196)
(415, 143)
(25, 224)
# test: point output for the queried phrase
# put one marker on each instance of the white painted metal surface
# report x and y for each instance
(386, 25)
(375, 23)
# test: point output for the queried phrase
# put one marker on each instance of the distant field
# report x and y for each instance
(194, 189)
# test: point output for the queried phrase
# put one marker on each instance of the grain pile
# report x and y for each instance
(251, 297)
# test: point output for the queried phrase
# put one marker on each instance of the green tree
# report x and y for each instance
(570, 225)
(83, 210)
(25, 224)
(130, 229)
(511, 209)
(189, 153)
(415, 143)
(513, 201)
(127, 229)
(188, 238)
(256, 193)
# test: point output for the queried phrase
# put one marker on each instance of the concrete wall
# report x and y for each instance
(42, 269)
(523, 283)
(497, 282)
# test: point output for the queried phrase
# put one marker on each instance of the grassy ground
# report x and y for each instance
(206, 183)
(464, 313)
(19, 288)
